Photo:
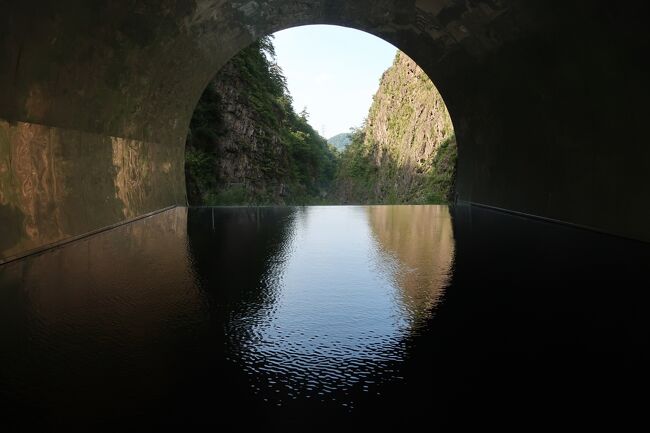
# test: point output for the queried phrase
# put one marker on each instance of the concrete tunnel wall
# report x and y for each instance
(548, 99)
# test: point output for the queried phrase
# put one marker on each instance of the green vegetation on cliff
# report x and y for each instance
(246, 143)
(406, 150)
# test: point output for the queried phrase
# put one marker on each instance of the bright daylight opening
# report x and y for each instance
(320, 115)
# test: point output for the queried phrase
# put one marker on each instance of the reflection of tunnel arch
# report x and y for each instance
(97, 97)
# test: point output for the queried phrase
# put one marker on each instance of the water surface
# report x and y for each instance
(315, 316)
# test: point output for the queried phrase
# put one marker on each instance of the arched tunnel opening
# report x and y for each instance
(248, 145)
(522, 303)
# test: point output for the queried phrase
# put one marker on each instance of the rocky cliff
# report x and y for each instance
(406, 151)
(248, 146)
(246, 143)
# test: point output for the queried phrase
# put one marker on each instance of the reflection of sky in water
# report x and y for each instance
(317, 304)
(202, 315)
(338, 316)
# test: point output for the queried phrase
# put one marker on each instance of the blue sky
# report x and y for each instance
(333, 71)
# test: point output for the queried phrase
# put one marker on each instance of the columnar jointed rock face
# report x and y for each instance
(549, 102)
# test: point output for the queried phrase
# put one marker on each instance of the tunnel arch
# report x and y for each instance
(289, 22)
(97, 99)
(228, 163)
(254, 37)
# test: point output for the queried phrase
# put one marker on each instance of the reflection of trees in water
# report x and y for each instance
(420, 239)
(238, 257)
(236, 253)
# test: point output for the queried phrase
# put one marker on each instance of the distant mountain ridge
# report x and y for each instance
(340, 141)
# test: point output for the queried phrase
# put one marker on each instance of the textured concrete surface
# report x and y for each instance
(549, 102)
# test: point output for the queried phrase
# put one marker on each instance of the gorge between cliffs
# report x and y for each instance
(247, 145)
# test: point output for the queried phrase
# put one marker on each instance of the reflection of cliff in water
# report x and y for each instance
(238, 257)
(57, 183)
(236, 253)
(420, 239)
